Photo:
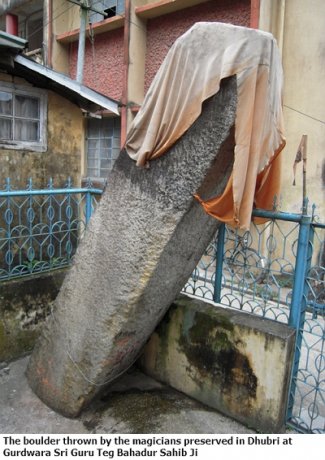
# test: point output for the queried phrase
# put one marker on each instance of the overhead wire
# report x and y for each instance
(54, 18)
(73, 5)
(119, 15)
(304, 114)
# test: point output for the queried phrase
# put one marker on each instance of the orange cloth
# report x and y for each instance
(190, 74)
(265, 197)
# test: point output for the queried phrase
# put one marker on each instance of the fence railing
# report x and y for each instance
(275, 271)
(40, 228)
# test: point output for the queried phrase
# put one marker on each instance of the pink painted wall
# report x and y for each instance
(163, 31)
(104, 63)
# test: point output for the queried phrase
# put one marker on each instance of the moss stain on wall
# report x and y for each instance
(213, 352)
(24, 306)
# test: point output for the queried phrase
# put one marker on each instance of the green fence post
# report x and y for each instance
(219, 263)
(298, 300)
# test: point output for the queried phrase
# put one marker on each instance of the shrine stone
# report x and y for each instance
(140, 247)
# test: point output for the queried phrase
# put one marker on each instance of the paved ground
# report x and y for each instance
(134, 404)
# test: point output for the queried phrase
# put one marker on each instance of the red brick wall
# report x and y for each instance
(104, 63)
(163, 31)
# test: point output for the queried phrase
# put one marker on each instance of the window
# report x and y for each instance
(35, 33)
(110, 7)
(30, 27)
(103, 145)
(22, 118)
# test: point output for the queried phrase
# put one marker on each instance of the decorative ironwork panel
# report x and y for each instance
(307, 413)
(257, 270)
(40, 229)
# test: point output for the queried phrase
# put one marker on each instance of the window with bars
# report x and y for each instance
(23, 122)
(110, 7)
(102, 145)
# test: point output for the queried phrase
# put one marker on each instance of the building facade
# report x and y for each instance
(124, 51)
(127, 40)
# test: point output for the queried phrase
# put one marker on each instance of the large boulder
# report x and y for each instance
(140, 247)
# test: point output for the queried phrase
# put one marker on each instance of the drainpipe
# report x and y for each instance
(124, 98)
(12, 24)
(48, 32)
(82, 40)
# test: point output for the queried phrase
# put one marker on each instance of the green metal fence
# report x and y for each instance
(275, 271)
(40, 229)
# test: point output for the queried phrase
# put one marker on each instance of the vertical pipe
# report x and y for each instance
(124, 99)
(48, 33)
(219, 263)
(12, 24)
(82, 41)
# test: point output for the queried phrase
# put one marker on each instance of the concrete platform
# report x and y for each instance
(134, 404)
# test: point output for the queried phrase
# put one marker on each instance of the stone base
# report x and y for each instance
(235, 362)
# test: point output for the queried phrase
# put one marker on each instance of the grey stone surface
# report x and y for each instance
(135, 404)
(142, 244)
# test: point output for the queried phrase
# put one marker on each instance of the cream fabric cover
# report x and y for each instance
(191, 73)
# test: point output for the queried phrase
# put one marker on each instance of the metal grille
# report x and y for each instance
(276, 271)
(40, 229)
(103, 145)
(251, 271)
(306, 410)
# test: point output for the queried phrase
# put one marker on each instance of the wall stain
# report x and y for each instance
(24, 305)
(213, 353)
